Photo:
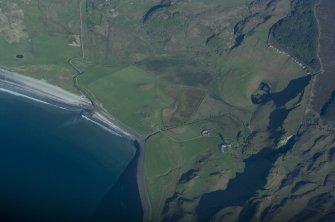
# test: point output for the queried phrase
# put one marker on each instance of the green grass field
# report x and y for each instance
(159, 76)
(250, 64)
(130, 94)
(166, 161)
(45, 51)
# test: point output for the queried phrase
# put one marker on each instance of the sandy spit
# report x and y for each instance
(42, 92)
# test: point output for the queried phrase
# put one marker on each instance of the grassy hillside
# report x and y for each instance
(175, 76)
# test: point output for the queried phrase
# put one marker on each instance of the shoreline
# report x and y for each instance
(40, 91)
(43, 92)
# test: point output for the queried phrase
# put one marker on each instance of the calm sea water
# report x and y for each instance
(55, 165)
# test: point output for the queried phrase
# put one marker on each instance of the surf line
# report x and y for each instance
(17, 94)
(109, 129)
(95, 118)
(48, 94)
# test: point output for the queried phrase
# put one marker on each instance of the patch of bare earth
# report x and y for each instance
(75, 41)
(12, 27)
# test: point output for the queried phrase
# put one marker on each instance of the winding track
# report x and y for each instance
(146, 206)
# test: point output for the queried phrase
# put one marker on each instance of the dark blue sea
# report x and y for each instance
(57, 166)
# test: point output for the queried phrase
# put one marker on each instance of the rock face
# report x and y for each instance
(298, 184)
(304, 188)
(237, 113)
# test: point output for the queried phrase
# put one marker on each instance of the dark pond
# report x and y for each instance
(257, 167)
(153, 9)
(277, 118)
(243, 186)
(19, 56)
(293, 89)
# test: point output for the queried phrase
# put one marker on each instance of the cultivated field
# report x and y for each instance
(190, 67)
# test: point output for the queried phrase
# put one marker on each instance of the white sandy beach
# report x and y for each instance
(42, 92)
